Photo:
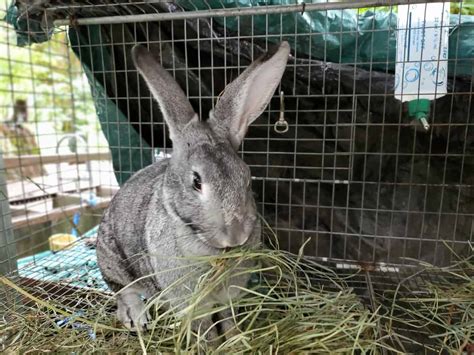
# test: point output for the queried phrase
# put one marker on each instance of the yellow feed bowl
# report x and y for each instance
(61, 241)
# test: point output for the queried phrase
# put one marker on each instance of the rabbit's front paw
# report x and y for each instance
(133, 318)
(206, 330)
(229, 329)
(131, 310)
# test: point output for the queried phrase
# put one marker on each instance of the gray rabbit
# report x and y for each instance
(198, 202)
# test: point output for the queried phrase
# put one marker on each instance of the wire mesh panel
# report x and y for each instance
(351, 173)
(54, 156)
(338, 165)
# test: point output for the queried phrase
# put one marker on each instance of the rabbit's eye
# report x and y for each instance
(196, 181)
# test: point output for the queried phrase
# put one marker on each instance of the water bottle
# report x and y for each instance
(421, 70)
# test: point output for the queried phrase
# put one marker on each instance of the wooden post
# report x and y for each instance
(7, 240)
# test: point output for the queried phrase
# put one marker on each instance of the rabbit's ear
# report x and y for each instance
(244, 99)
(174, 104)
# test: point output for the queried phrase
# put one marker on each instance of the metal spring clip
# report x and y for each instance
(281, 126)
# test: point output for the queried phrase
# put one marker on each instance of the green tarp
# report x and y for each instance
(342, 36)
(339, 36)
(129, 152)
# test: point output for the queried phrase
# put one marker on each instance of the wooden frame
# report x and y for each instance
(28, 160)
(8, 222)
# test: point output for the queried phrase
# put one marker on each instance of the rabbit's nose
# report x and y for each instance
(237, 235)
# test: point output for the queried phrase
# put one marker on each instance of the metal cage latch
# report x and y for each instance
(281, 126)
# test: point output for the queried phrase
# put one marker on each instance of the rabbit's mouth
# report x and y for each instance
(205, 239)
(222, 242)
(213, 242)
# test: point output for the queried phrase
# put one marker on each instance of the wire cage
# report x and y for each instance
(338, 165)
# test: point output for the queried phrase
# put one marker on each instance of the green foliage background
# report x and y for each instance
(464, 8)
(51, 79)
(44, 74)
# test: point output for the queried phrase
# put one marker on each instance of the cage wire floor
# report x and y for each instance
(59, 302)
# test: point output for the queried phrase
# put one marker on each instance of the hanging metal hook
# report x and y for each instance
(281, 126)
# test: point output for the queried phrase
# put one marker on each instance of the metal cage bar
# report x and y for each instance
(261, 10)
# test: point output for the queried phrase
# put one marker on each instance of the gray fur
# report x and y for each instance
(157, 217)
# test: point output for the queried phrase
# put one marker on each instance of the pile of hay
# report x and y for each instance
(293, 304)
(439, 316)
